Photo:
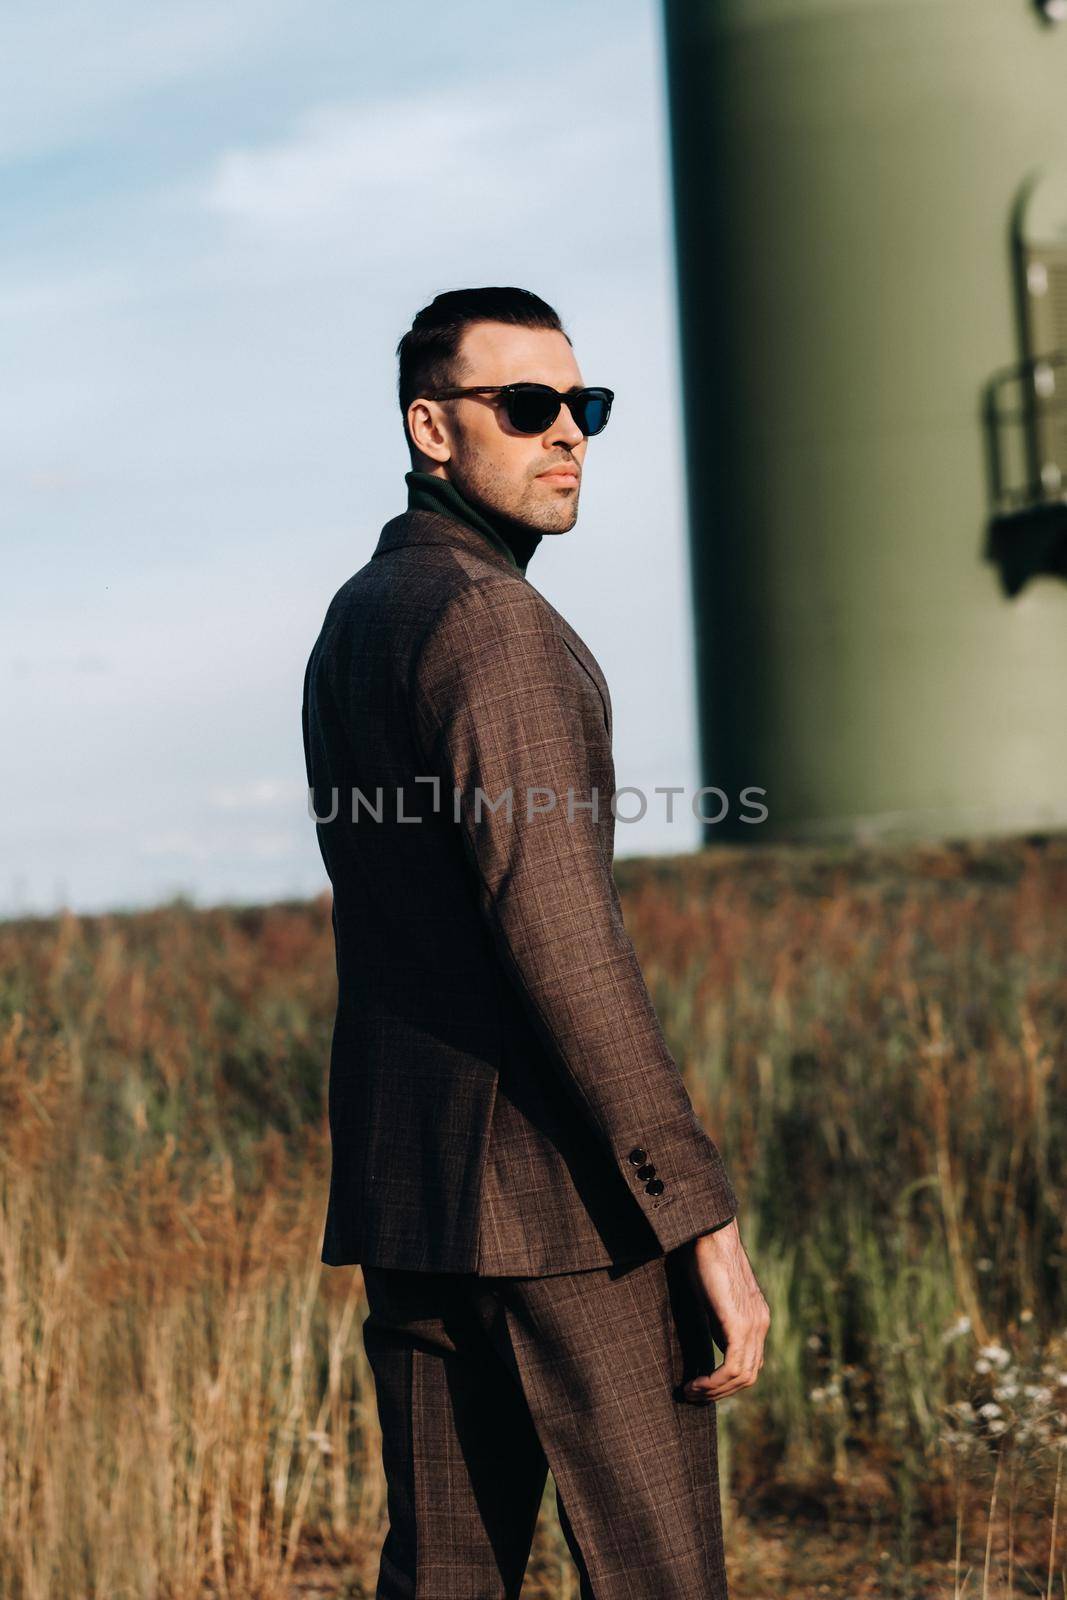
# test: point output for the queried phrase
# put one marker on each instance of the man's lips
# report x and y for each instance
(560, 475)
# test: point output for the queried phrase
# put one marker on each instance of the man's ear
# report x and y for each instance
(428, 430)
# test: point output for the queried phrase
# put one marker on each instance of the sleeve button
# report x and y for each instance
(655, 1186)
(637, 1155)
(646, 1172)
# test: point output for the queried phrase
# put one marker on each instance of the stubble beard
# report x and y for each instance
(540, 508)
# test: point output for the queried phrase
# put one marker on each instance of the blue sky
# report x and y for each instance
(217, 221)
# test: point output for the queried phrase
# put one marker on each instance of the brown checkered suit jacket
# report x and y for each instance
(501, 1097)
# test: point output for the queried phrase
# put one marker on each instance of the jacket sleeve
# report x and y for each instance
(497, 710)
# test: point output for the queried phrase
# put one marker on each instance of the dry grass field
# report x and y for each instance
(878, 1040)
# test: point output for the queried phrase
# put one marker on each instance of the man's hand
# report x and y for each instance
(725, 1283)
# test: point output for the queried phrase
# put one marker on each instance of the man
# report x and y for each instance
(547, 1234)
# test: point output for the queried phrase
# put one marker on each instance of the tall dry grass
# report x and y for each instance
(181, 1396)
(879, 1041)
(876, 1038)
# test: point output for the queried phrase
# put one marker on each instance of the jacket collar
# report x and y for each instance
(435, 528)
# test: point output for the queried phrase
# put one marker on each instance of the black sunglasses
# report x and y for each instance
(533, 407)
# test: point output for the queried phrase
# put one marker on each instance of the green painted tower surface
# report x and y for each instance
(871, 230)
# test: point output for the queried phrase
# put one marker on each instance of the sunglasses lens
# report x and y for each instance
(532, 410)
(591, 411)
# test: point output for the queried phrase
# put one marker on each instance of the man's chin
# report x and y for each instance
(556, 517)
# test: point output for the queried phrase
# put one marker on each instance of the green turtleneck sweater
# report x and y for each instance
(426, 492)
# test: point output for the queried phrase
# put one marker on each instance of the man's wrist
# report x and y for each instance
(719, 1226)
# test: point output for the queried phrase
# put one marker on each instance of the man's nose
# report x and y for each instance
(565, 430)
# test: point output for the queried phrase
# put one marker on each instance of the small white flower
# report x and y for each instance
(990, 1409)
(1026, 1315)
(997, 1426)
(997, 1354)
(982, 1365)
(1006, 1391)
(825, 1392)
(956, 1329)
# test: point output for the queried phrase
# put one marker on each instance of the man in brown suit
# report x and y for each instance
(547, 1234)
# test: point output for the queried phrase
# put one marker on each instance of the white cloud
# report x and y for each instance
(71, 66)
(22, 300)
(260, 794)
(431, 168)
(181, 842)
(336, 153)
(188, 846)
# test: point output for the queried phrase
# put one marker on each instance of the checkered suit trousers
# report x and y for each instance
(484, 1383)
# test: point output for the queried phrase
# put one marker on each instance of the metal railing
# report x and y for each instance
(1028, 432)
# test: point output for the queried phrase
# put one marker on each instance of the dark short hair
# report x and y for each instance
(428, 353)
